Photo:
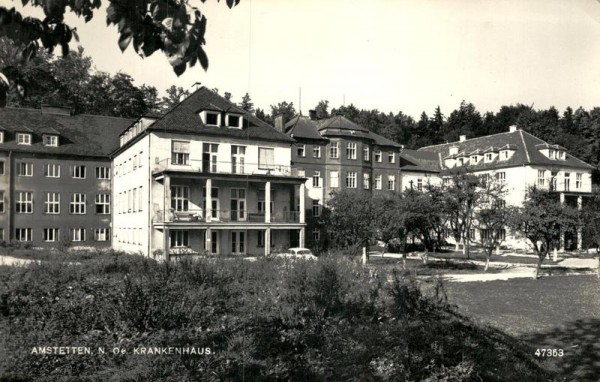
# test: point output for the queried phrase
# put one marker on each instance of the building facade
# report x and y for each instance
(207, 177)
(334, 154)
(55, 176)
(518, 159)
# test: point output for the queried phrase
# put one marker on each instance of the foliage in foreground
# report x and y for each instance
(270, 319)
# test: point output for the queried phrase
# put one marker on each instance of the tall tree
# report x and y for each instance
(286, 109)
(466, 120)
(247, 103)
(542, 220)
(175, 94)
(322, 109)
(352, 219)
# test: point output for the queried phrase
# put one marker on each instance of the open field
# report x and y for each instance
(557, 312)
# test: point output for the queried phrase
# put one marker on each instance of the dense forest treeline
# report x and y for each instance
(73, 81)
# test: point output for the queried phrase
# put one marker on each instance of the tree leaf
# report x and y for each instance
(202, 57)
(125, 39)
(179, 69)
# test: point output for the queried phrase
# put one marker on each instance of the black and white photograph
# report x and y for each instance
(264, 190)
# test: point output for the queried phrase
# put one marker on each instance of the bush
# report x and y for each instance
(269, 319)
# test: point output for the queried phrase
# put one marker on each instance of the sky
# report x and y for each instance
(392, 55)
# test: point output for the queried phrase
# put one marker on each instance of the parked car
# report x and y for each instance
(298, 253)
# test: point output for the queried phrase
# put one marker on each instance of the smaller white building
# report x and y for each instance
(517, 158)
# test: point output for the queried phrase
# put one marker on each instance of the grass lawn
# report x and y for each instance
(432, 268)
(560, 312)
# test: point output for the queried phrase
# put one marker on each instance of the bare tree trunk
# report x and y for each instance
(538, 266)
(456, 246)
(487, 262)
(425, 256)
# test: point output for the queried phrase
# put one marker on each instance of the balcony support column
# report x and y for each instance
(208, 202)
(267, 204)
(267, 241)
(302, 237)
(302, 202)
(580, 228)
(166, 216)
(561, 245)
(207, 241)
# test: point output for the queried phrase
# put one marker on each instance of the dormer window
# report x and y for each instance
(474, 159)
(212, 118)
(234, 121)
(24, 138)
(503, 155)
(551, 153)
(50, 140)
(461, 161)
(560, 155)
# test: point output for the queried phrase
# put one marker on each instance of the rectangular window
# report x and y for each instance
(567, 182)
(266, 158)
(333, 179)
(504, 154)
(51, 234)
(212, 119)
(52, 171)
(488, 157)
(238, 242)
(378, 157)
(78, 234)
(209, 157)
(316, 234)
(238, 159)
(578, 182)
(23, 139)
(316, 208)
(351, 151)
(551, 153)
(24, 202)
(378, 182)
(334, 150)
(351, 180)
(52, 203)
(1, 201)
(79, 172)
(553, 180)
(25, 169)
(316, 151)
(316, 179)
(260, 238)
(180, 153)
(77, 205)
(180, 198)
(541, 178)
(50, 140)
(366, 181)
(391, 157)
(2, 139)
(366, 153)
(103, 204)
(1, 167)
(420, 184)
(179, 239)
(501, 175)
(391, 182)
(102, 172)
(301, 150)
(233, 121)
(23, 234)
(140, 199)
(102, 234)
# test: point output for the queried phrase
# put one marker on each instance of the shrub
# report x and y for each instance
(269, 319)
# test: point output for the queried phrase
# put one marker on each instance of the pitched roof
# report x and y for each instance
(419, 161)
(383, 141)
(339, 122)
(185, 118)
(80, 134)
(302, 127)
(521, 141)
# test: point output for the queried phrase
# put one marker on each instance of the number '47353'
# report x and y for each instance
(549, 352)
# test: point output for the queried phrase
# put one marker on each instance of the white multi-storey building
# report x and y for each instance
(517, 158)
(207, 177)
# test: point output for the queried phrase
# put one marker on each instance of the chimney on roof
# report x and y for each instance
(312, 114)
(462, 138)
(279, 122)
(513, 128)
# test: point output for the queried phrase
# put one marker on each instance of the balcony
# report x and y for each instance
(223, 216)
(240, 166)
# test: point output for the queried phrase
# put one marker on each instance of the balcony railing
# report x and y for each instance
(223, 167)
(224, 216)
